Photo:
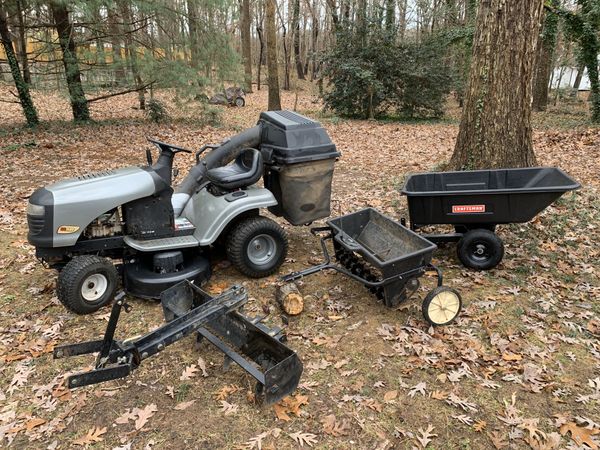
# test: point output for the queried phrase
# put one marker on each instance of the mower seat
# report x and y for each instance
(245, 170)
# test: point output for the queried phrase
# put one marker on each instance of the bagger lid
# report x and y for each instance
(289, 138)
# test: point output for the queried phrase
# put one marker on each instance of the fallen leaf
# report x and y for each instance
(333, 427)
(226, 391)
(202, 366)
(91, 436)
(188, 372)
(579, 434)
(425, 435)
(184, 405)
(479, 425)
(125, 417)
(304, 438)
(32, 423)
(143, 415)
(228, 408)
(389, 396)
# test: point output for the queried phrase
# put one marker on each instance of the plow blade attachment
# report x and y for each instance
(256, 348)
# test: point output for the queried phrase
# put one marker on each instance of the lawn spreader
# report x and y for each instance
(256, 348)
(387, 258)
(474, 202)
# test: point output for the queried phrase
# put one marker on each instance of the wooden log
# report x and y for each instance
(289, 298)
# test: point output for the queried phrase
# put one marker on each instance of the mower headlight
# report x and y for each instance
(35, 210)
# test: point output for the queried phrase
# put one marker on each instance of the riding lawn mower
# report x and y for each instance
(129, 224)
(159, 237)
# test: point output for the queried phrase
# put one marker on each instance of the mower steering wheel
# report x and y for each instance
(164, 146)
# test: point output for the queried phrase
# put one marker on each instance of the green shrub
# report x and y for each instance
(156, 110)
(382, 77)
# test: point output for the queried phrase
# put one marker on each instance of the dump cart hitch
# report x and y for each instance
(256, 348)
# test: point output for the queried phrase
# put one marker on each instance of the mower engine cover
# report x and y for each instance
(299, 158)
(57, 214)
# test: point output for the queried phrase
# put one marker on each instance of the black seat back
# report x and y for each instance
(246, 170)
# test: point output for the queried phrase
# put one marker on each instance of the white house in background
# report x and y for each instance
(567, 75)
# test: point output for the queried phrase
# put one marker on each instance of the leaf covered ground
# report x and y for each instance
(519, 369)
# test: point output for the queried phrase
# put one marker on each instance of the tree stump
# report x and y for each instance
(289, 299)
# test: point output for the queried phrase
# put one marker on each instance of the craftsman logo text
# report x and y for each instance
(462, 209)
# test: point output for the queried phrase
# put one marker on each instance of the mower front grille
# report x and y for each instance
(35, 224)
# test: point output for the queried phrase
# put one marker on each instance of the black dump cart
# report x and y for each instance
(476, 201)
(387, 258)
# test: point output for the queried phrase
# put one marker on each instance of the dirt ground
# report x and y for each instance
(519, 369)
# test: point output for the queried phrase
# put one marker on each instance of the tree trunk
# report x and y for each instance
(315, 40)
(274, 99)
(22, 87)
(23, 43)
(495, 129)
(390, 15)
(296, 31)
(193, 27)
(544, 63)
(64, 29)
(246, 44)
(131, 51)
(286, 57)
(115, 41)
(259, 32)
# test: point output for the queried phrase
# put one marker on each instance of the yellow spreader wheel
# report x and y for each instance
(441, 306)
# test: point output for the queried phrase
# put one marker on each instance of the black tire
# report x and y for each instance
(480, 249)
(441, 306)
(98, 272)
(240, 102)
(269, 251)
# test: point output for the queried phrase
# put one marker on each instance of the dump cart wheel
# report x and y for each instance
(257, 246)
(480, 249)
(240, 102)
(87, 283)
(441, 306)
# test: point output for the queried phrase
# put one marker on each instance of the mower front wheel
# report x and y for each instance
(257, 246)
(87, 283)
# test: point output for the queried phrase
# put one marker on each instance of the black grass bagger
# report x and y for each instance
(474, 202)
(387, 258)
(257, 349)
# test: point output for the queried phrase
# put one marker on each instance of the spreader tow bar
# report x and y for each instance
(256, 348)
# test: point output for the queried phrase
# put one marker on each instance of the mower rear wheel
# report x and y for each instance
(257, 246)
(240, 102)
(87, 283)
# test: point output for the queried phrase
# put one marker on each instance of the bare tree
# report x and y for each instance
(246, 43)
(274, 98)
(495, 129)
(64, 29)
(22, 87)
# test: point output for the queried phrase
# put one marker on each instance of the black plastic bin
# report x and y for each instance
(384, 243)
(299, 158)
(484, 196)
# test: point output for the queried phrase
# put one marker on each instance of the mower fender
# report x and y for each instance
(210, 214)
